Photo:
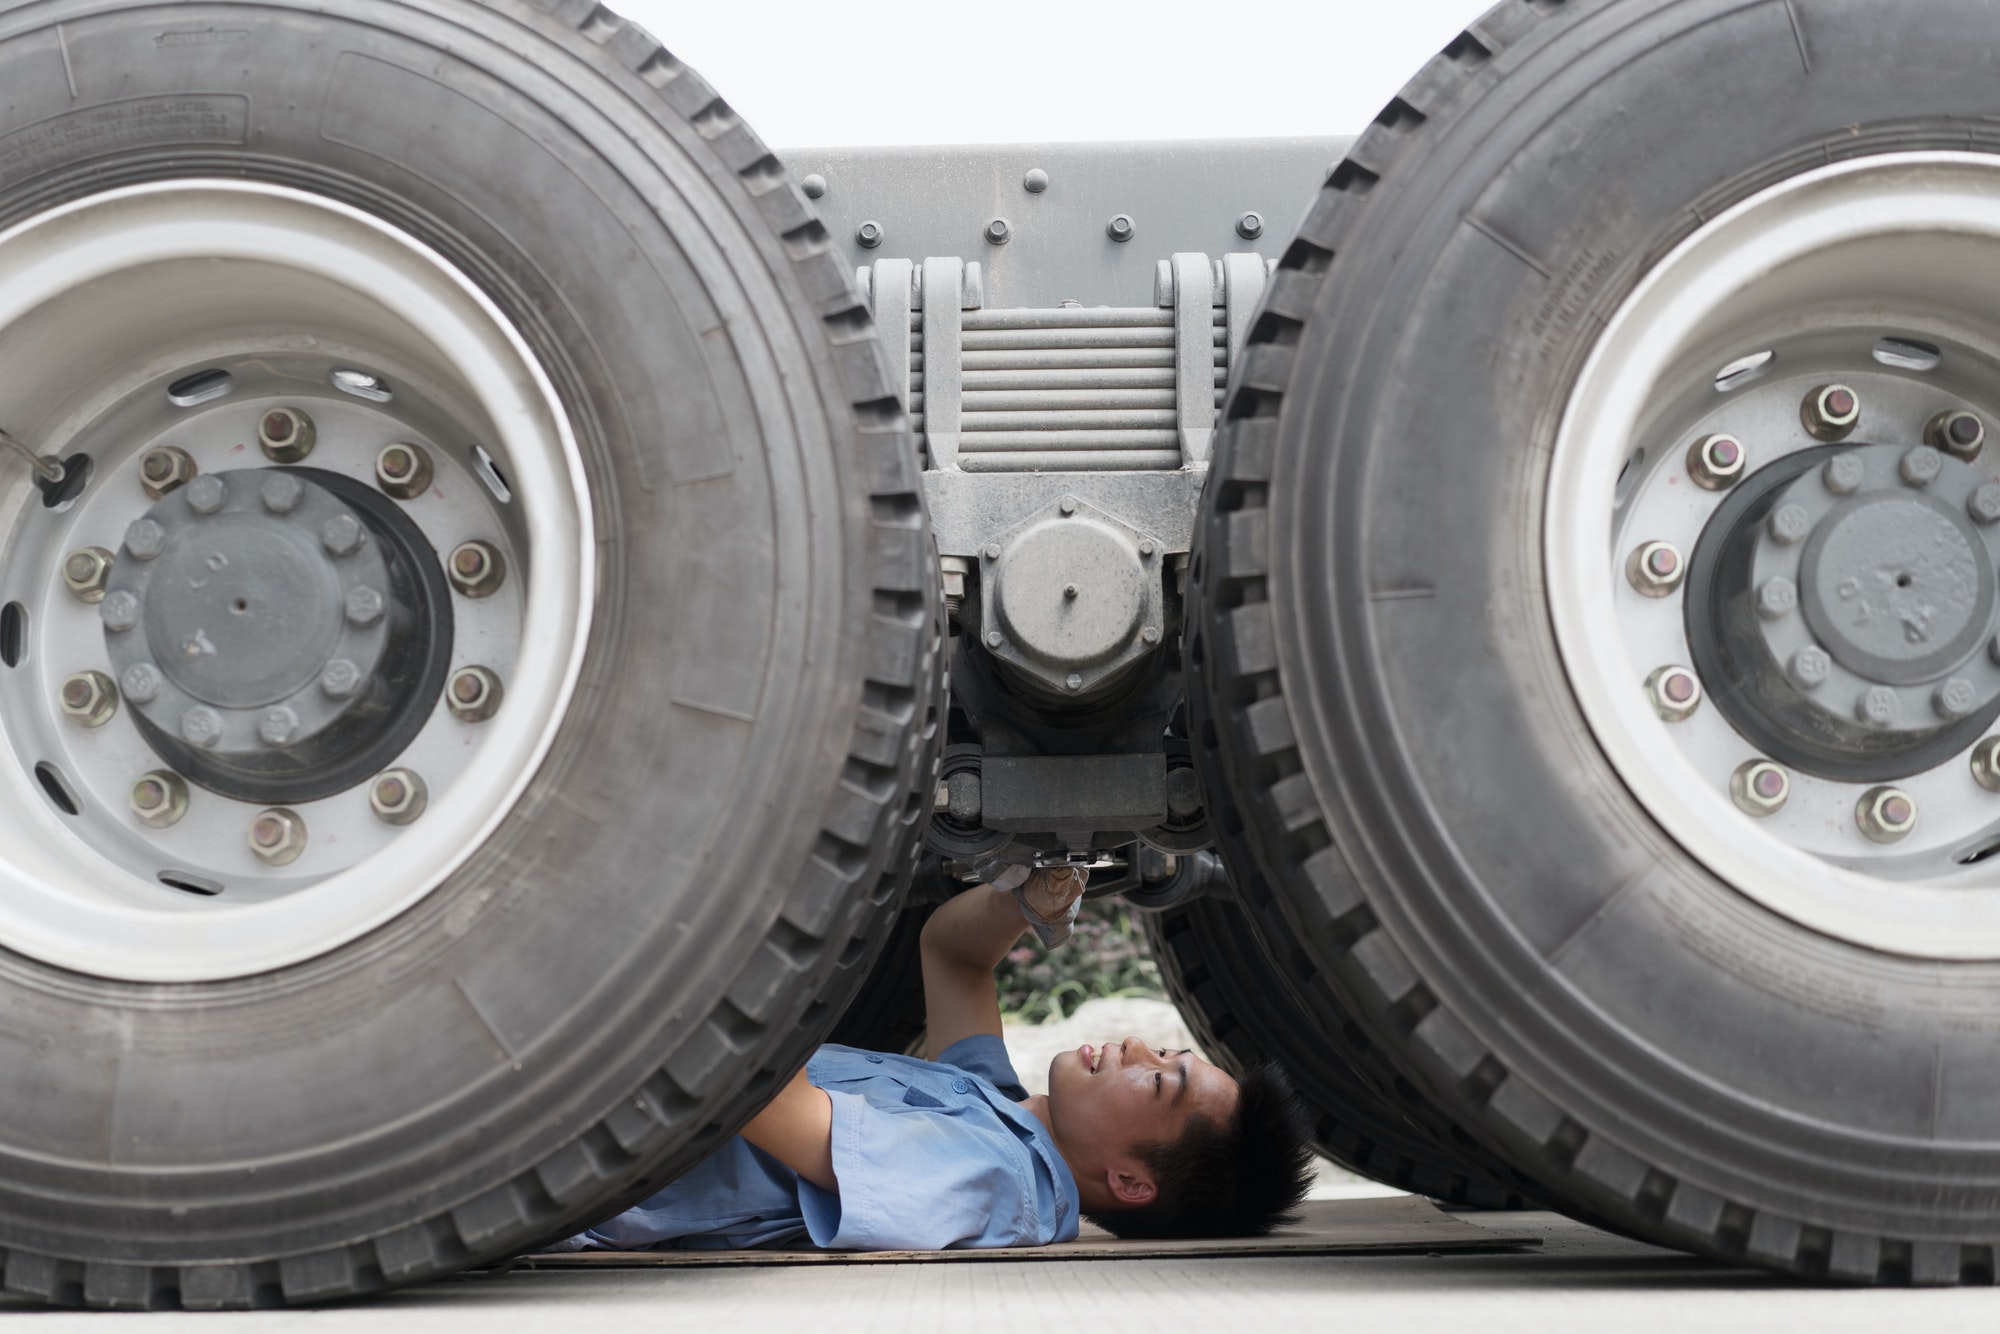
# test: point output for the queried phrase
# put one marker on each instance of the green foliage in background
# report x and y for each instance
(1107, 956)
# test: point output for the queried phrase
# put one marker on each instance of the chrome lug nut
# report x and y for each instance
(397, 796)
(1655, 569)
(145, 539)
(282, 492)
(340, 678)
(1790, 524)
(141, 682)
(1986, 764)
(278, 836)
(1885, 814)
(476, 569)
(1921, 466)
(1958, 433)
(119, 611)
(404, 471)
(1675, 692)
(201, 726)
(277, 726)
(159, 799)
(163, 469)
(85, 571)
(1810, 667)
(286, 435)
(473, 694)
(1716, 462)
(1878, 707)
(88, 699)
(1777, 599)
(341, 534)
(1843, 474)
(1831, 412)
(365, 605)
(1760, 788)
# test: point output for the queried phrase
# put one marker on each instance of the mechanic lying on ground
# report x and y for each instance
(873, 1151)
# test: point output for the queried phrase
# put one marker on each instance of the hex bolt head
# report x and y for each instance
(88, 699)
(207, 494)
(1954, 699)
(340, 678)
(404, 471)
(1878, 707)
(1068, 505)
(119, 611)
(145, 539)
(1147, 547)
(1716, 462)
(365, 605)
(868, 235)
(277, 836)
(1655, 569)
(1986, 764)
(163, 469)
(1777, 599)
(282, 492)
(1071, 592)
(473, 694)
(277, 725)
(1035, 181)
(141, 682)
(341, 534)
(85, 571)
(159, 799)
(1151, 634)
(1120, 228)
(1843, 474)
(1984, 504)
(1958, 433)
(1831, 412)
(398, 796)
(1810, 667)
(1921, 466)
(476, 569)
(1760, 788)
(286, 435)
(201, 726)
(992, 551)
(1885, 814)
(1790, 524)
(1250, 226)
(1074, 681)
(998, 232)
(994, 639)
(1675, 692)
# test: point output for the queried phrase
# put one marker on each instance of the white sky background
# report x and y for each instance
(872, 72)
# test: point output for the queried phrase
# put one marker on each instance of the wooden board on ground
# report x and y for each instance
(1326, 1227)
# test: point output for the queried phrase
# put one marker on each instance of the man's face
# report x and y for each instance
(1105, 1102)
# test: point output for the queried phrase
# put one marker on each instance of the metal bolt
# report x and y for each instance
(88, 699)
(1147, 547)
(1921, 466)
(473, 694)
(286, 435)
(1777, 599)
(282, 492)
(145, 539)
(1715, 462)
(1070, 592)
(1250, 226)
(201, 726)
(1958, 433)
(404, 471)
(141, 682)
(1676, 693)
(207, 494)
(1790, 524)
(1068, 505)
(814, 186)
(1986, 764)
(159, 798)
(1184, 799)
(868, 235)
(1120, 228)
(992, 551)
(1655, 569)
(119, 611)
(1810, 667)
(1955, 699)
(84, 572)
(277, 726)
(994, 639)
(364, 605)
(163, 469)
(1151, 634)
(998, 232)
(1878, 706)
(1984, 504)
(398, 796)
(1831, 412)
(1760, 788)
(341, 534)
(278, 836)
(340, 678)
(1844, 473)
(476, 569)
(1885, 814)
(1035, 181)
(1073, 681)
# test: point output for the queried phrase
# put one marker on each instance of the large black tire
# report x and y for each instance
(1447, 841)
(698, 872)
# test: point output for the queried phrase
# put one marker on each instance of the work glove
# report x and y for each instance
(1050, 898)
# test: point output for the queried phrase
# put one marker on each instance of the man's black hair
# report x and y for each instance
(1238, 1178)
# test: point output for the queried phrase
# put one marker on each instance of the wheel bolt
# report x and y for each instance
(473, 694)
(85, 571)
(1955, 699)
(1984, 504)
(163, 469)
(201, 726)
(207, 494)
(1676, 693)
(397, 796)
(1810, 667)
(1878, 707)
(119, 611)
(1986, 763)
(1831, 412)
(1760, 788)
(141, 682)
(1656, 569)
(1959, 434)
(1844, 473)
(277, 726)
(404, 471)
(1885, 814)
(1921, 466)
(286, 435)
(159, 799)
(364, 605)
(278, 836)
(145, 539)
(88, 699)
(1790, 524)
(282, 492)
(341, 534)
(340, 678)
(476, 569)
(1777, 599)
(1716, 462)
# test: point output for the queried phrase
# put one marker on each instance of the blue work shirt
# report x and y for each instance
(928, 1155)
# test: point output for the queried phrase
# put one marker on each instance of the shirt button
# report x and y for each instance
(873, 1059)
(960, 1086)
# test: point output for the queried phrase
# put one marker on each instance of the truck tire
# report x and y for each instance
(659, 828)
(1484, 745)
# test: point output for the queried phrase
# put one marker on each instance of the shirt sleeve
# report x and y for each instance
(985, 1055)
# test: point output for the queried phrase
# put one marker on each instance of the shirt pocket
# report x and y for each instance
(916, 1097)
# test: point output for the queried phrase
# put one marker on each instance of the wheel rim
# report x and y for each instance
(142, 320)
(1800, 698)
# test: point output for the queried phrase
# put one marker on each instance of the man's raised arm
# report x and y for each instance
(966, 939)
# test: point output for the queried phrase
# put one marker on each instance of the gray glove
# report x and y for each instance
(1050, 899)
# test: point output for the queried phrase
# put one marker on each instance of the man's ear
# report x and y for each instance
(1131, 1188)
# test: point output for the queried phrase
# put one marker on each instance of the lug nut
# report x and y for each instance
(404, 471)
(88, 699)
(1885, 814)
(340, 678)
(282, 492)
(1656, 569)
(341, 534)
(207, 494)
(1844, 473)
(278, 836)
(159, 799)
(1986, 763)
(364, 606)
(476, 569)
(1831, 412)
(1878, 707)
(1810, 667)
(201, 726)
(473, 694)
(1959, 434)
(1955, 699)
(1676, 693)
(1921, 466)
(1777, 599)
(85, 571)
(1716, 462)
(397, 796)
(277, 726)
(119, 611)
(1984, 504)
(1760, 788)
(141, 682)
(286, 435)
(163, 469)
(145, 539)
(1790, 524)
